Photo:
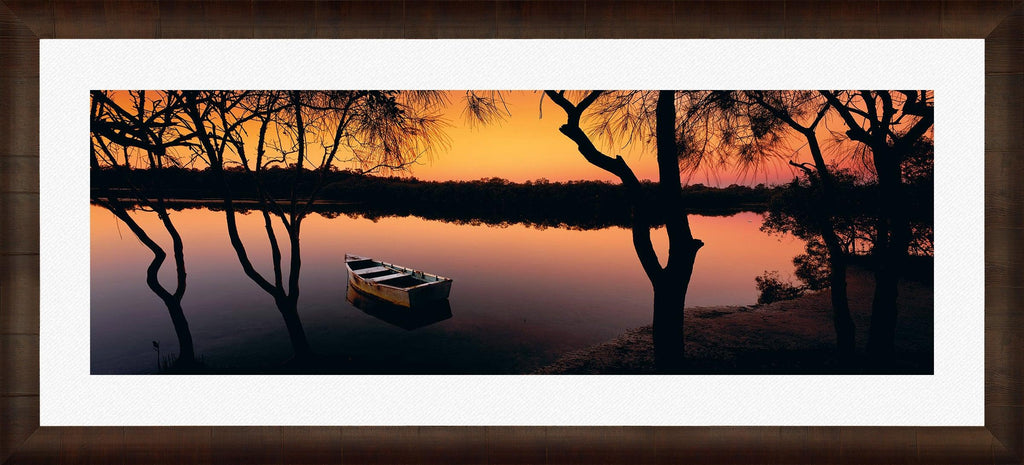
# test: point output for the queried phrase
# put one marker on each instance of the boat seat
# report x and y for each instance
(387, 277)
(370, 270)
(359, 263)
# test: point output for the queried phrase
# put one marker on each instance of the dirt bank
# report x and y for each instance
(789, 337)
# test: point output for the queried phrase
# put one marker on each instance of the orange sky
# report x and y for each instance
(527, 146)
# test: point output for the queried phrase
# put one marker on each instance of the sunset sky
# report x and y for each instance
(527, 146)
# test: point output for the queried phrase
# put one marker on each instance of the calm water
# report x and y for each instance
(521, 296)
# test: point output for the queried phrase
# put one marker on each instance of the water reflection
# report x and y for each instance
(407, 318)
(526, 295)
(566, 218)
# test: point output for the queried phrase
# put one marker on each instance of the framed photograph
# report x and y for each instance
(482, 258)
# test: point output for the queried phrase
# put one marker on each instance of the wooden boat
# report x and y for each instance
(396, 284)
(407, 318)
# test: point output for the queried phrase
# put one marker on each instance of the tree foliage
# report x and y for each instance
(772, 288)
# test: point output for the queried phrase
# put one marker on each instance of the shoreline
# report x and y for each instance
(787, 337)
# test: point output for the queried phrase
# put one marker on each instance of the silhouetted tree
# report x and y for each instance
(134, 130)
(888, 124)
(802, 112)
(307, 133)
(771, 288)
(703, 130)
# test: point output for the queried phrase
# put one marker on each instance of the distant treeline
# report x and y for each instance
(574, 204)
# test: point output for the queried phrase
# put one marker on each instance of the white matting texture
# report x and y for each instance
(71, 396)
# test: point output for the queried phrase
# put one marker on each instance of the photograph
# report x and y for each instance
(511, 232)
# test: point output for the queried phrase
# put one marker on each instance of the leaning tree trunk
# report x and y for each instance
(187, 355)
(287, 303)
(842, 322)
(171, 301)
(289, 306)
(296, 334)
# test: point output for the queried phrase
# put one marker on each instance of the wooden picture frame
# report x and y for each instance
(24, 22)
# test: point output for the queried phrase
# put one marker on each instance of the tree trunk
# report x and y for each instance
(884, 308)
(881, 340)
(841, 320)
(187, 355)
(669, 283)
(290, 313)
(171, 301)
(669, 300)
(891, 251)
(670, 286)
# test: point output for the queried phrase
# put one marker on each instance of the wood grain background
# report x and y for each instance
(24, 22)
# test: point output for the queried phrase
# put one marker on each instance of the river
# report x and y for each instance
(521, 296)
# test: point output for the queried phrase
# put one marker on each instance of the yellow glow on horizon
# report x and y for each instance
(526, 146)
